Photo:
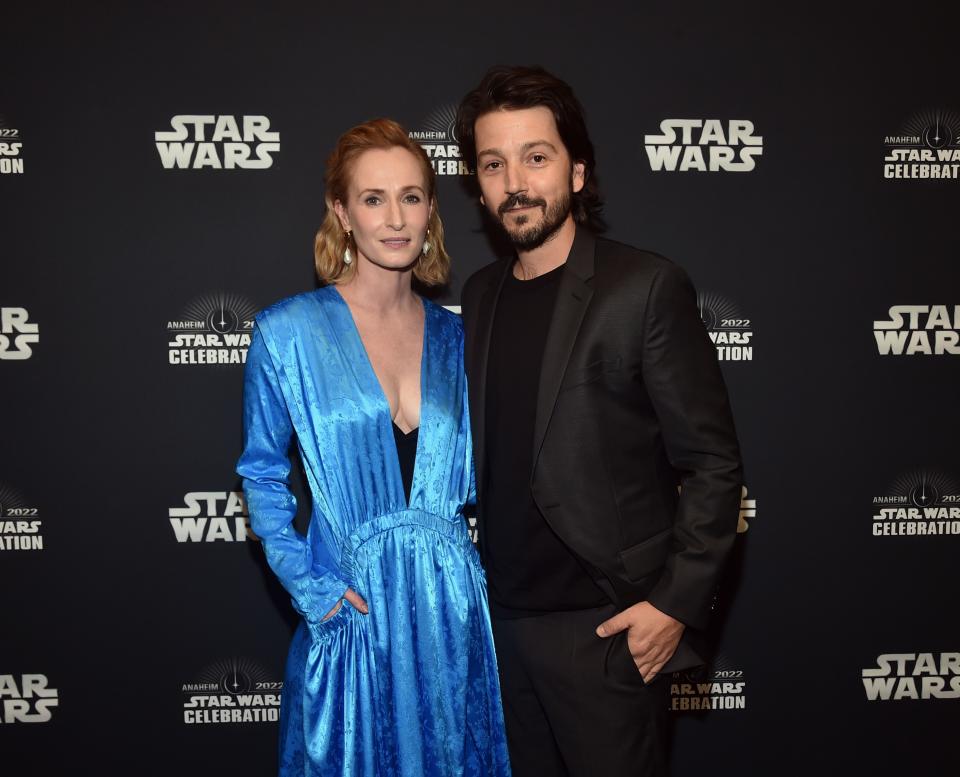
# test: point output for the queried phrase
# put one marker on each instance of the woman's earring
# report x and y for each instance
(347, 256)
(426, 245)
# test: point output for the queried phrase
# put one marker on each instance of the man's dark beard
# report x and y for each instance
(533, 237)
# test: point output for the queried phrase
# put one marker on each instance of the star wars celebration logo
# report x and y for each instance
(919, 330)
(211, 142)
(211, 516)
(20, 526)
(11, 148)
(26, 698)
(724, 688)
(232, 691)
(437, 136)
(17, 334)
(918, 504)
(928, 146)
(213, 329)
(917, 676)
(704, 145)
(730, 330)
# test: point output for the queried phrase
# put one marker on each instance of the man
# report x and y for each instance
(607, 462)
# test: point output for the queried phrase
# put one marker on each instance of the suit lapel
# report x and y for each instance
(479, 353)
(573, 298)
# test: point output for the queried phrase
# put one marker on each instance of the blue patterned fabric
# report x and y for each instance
(411, 688)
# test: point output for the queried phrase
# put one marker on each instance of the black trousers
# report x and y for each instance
(575, 704)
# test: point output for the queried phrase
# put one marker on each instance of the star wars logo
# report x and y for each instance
(918, 676)
(918, 504)
(748, 511)
(928, 146)
(724, 689)
(704, 145)
(11, 146)
(437, 137)
(730, 330)
(26, 698)
(20, 525)
(212, 516)
(232, 691)
(470, 516)
(214, 329)
(17, 334)
(217, 143)
(924, 330)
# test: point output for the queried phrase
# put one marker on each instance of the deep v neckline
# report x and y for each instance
(369, 361)
(382, 395)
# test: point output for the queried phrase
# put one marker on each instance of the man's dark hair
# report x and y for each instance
(515, 87)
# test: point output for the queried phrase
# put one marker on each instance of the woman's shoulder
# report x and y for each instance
(295, 309)
(444, 319)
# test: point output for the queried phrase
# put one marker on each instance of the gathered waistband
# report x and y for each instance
(455, 529)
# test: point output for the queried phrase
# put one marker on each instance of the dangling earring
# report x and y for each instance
(426, 245)
(347, 256)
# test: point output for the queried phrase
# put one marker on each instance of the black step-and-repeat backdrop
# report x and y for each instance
(161, 180)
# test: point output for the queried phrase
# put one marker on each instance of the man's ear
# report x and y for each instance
(342, 215)
(578, 176)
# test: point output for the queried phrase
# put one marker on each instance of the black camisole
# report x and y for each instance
(406, 455)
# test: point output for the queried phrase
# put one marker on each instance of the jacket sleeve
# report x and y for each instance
(686, 387)
(265, 469)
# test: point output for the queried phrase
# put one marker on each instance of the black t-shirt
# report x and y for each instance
(529, 570)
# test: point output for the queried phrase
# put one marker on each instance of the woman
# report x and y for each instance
(391, 671)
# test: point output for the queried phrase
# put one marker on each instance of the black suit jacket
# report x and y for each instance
(631, 406)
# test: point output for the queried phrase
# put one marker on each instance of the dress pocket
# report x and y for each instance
(323, 630)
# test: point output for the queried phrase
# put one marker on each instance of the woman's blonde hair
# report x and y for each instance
(431, 268)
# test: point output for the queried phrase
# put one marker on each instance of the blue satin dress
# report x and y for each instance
(411, 688)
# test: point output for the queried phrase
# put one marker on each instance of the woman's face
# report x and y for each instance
(386, 208)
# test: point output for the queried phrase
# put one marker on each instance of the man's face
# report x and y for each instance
(525, 172)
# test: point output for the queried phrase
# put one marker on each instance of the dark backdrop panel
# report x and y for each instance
(118, 626)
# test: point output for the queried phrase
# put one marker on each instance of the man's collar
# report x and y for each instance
(580, 260)
(581, 257)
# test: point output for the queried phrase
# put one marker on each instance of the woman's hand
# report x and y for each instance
(354, 598)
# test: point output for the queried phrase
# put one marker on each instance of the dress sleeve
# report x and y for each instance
(265, 469)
